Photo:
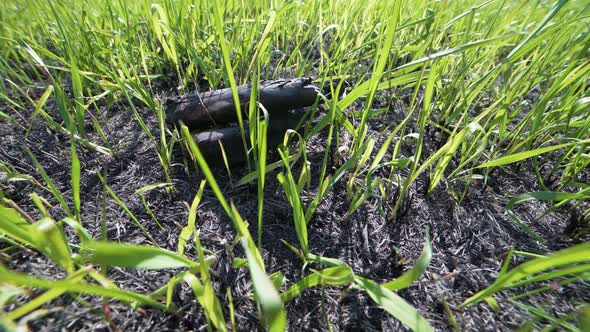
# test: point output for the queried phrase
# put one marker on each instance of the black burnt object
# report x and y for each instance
(211, 113)
(214, 108)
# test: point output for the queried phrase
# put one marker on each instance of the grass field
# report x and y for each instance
(443, 182)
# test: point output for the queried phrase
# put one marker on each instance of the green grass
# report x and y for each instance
(505, 84)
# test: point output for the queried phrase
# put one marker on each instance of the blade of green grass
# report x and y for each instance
(333, 276)
(126, 209)
(394, 305)
(576, 254)
(133, 256)
(410, 276)
(24, 280)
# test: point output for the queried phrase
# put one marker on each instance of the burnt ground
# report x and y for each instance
(469, 239)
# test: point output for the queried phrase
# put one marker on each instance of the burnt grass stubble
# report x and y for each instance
(469, 239)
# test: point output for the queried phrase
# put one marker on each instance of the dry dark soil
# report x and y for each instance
(469, 239)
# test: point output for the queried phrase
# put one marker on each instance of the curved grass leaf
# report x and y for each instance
(16, 227)
(326, 260)
(50, 185)
(53, 243)
(266, 293)
(394, 305)
(203, 289)
(556, 7)
(190, 228)
(23, 280)
(152, 186)
(546, 316)
(293, 195)
(539, 196)
(332, 276)
(133, 256)
(528, 154)
(447, 52)
(270, 167)
(416, 271)
(573, 255)
(81, 231)
(75, 180)
(205, 294)
(126, 209)
(44, 298)
(329, 182)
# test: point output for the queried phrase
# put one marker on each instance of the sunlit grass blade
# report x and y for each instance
(266, 293)
(218, 12)
(143, 190)
(540, 196)
(329, 182)
(151, 187)
(410, 276)
(394, 305)
(126, 209)
(556, 7)
(542, 314)
(576, 254)
(133, 256)
(15, 226)
(381, 58)
(69, 286)
(205, 294)
(332, 276)
(516, 157)
(203, 289)
(44, 298)
(53, 243)
(187, 232)
(39, 106)
(418, 103)
(51, 186)
(448, 52)
(75, 179)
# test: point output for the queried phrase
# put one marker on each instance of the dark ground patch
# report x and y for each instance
(469, 240)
